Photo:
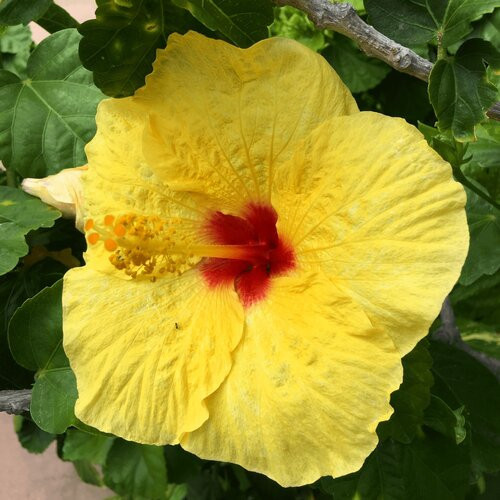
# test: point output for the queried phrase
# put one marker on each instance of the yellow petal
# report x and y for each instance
(223, 118)
(62, 191)
(146, 355)
(311, 380)
(370, 203)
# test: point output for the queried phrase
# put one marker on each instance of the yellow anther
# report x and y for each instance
(120, 230)
(110, 245)
(93, 238)
(89, 224)
(108, 220)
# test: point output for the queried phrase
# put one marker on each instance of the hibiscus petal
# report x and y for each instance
(311, 379)
(119, 180)
(146, 355)
(222, 118)
(371, 204)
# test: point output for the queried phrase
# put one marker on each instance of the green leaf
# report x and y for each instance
(417, 22)
(181, 465)
(176, 492)
(484, 247)
(478, 302)
(12, 376)
(358, 71)
(15, 46)
(243, 21)
(405, 96)
(35, 338)
(35, 331)
(15, 288)
(133, 469)
(440, 417)
(53, 400)
(56, 19)
(19, 214)
(31, 437)
(119, 46)
(463, 381)
(80, 445)
(411, 399)
(22, 11)
(429, 468)
(460, 91)
(88, 473)
(49, 117)
(488, 28)
(486, 150)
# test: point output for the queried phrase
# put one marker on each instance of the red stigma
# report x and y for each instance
(266, 254)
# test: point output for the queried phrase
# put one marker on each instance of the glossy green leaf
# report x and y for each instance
(35, 339)
(411, 399)
(440, 417)
(119, 46)
(136, 470)
(484, 247)
(416, 22)
(49, 117)
(358, 71)
(460, 91)
(242, 21)
(31, 437)
(80, 445)
(432, 467)
(460, 380)
(19, 214)
(22, 11)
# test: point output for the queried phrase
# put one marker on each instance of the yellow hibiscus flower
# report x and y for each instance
(261, 255)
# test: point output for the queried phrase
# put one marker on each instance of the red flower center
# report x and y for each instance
(260, 253)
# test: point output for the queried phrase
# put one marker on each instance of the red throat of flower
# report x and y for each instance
(259, 252)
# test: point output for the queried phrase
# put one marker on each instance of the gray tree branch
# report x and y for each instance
(15, 402)
(342, 18)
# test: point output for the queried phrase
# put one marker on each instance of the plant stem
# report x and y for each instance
(11, 178)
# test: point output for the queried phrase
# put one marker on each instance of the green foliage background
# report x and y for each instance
(443, 441)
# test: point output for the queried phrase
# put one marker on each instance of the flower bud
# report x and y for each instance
(62, 191)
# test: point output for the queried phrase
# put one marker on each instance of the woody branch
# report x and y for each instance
(15, 402)
(342, 18)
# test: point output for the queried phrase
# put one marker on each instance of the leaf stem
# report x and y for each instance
(459, 175)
